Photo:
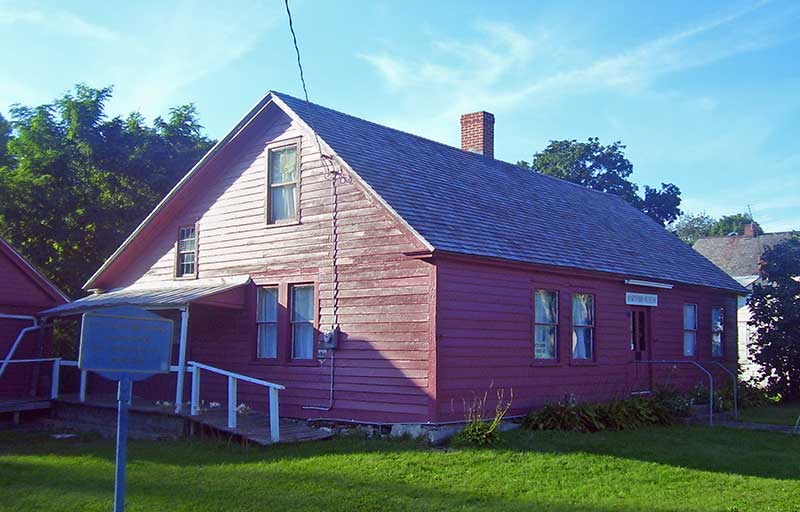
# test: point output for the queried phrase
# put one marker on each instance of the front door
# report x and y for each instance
(640, 348)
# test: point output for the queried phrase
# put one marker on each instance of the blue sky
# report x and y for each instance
(704, 94)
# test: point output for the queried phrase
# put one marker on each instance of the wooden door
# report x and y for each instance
(640, 349)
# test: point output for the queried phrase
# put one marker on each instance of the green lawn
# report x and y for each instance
(662, 469)
(779, 414)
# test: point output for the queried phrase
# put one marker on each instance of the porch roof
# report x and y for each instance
(164, 295)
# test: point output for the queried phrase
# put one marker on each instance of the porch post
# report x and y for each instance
(182, 359)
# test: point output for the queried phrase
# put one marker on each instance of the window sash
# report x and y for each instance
(282, 184)
(187, 251)
(583, 320)
(302, 321)
(717, 331)
(689, 329)
(545, 324)
(267, 322)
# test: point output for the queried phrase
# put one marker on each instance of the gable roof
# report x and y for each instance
(739, 255)
(32, 272)
(466, 203)
(460, 202)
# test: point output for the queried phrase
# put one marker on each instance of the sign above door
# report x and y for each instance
(641, 299)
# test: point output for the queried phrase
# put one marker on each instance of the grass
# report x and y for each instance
(777, 414)
(658, 469)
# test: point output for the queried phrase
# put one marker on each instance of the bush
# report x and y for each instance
(676, 403)
(477, 430)
(617, 415)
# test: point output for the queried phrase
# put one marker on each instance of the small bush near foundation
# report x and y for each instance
(617, 415)
(677, 403)
(478, 430)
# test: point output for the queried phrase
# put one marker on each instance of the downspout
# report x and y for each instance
(181, 359)
(21, 335)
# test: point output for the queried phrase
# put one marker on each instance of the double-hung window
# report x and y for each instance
(545, 324)
(717, 331)
(689, 329)
(267, 320)
(582, 326)
(186, 263)
(302, 322)
(282, 182)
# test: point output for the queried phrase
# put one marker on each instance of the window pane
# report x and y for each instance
(303, 340)
(267, 305)
(267, 340)
(302, 303)
(545, 342)
(546, 307)
(716, 344)
(689, 342)
(282, 165)
(582, 309)
(582, 341)
(717, 320)
(281, 203)
(690, 317)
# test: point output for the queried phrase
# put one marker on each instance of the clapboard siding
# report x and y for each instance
(484, 335)
(384, 305)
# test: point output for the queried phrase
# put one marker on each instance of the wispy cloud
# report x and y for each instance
(56, 20)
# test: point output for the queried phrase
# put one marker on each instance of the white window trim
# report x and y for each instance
(685, 330)
(277, 146)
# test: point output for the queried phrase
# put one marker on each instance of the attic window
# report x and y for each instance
(186, 264)
(282, 181)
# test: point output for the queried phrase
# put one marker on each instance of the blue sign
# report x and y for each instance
(125, 340)
(124, 344)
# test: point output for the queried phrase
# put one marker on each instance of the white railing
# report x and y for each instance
(274, 416)
(56, 375)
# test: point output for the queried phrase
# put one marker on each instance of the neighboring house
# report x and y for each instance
(739, 256)
(24, 291)
(444, 272)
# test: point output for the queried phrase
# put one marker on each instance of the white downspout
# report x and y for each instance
(21, 335)
(182, 359)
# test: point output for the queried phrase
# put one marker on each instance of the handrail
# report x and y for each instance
(704, 370)
(274, 416)
(36, 326)
(238, 376)
(735, 382)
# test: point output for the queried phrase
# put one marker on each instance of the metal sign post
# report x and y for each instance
(124, 344)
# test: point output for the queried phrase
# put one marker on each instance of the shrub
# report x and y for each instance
(676, 403)
(564, 416)
(617, 415)
(479, 431)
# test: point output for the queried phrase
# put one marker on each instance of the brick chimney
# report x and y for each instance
(477, 133)
(752, 229)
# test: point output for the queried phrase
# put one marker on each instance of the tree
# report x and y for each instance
(775, 315)
(605, 168)
(5, 136)
(77, 183)
(732, 224)
(690, 227)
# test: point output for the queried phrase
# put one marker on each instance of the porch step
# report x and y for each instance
(24, 404)
(254, 427)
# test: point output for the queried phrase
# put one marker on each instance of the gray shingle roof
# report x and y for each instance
(466, 203)
(738, 255)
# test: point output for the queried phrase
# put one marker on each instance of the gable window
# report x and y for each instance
(267, 320)
(186, 264)
(582, 326)
(717, 331)
(302, 298)
(282, 181)
(689, 329)
(545, 324)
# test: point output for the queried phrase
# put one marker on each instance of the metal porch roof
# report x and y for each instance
(169, 294)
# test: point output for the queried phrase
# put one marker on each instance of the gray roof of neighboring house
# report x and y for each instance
(466, 203)
(739, 255)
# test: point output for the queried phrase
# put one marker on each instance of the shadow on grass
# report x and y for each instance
(718, 449)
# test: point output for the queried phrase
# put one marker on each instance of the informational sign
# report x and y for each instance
(125, 340)
(641, 299)
(124, 344)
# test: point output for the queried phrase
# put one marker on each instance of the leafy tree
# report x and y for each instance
(775, 315)
(605, 168)
(732, 224)
(77, 183)
(691, 227)
(5, 136)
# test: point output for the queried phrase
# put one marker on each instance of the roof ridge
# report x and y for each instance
(485, 159)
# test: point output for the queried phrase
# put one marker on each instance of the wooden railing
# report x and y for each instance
(274, 415)
(56, 375)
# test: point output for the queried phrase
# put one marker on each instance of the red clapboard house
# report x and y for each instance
(24, 291)
(443, 270)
